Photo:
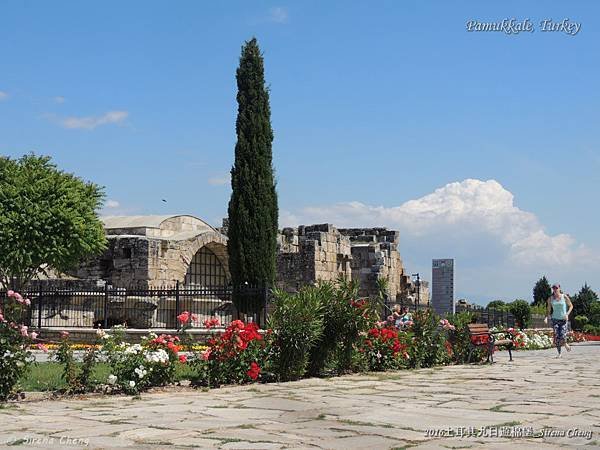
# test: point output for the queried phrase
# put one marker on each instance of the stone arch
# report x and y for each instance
(213, 241)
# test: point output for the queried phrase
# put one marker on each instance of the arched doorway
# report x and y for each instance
(205, 270)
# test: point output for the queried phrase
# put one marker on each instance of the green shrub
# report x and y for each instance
(386, 348)
(591, 329)
(239, 355)
(428, 345)
(460, 338)
(522, 312)
(579, 322)
(539, 309)
(594, 313)
(297, 324)
(344, 318)
(15, 359)
(497, 305)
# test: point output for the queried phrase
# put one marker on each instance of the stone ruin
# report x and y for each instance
(149, 252)
(313, 253)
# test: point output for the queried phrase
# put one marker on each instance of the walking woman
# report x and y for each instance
(557, 311)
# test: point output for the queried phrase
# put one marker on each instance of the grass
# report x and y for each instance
(47, 376)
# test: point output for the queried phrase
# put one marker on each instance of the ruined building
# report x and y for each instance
(156, 251)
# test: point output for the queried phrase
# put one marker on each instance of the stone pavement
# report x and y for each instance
(424, 409)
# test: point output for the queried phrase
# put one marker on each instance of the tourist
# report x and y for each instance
(407, 318)
(396, 315)
(557, 311)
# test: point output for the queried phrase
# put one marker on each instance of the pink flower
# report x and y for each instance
(42, 347)
(2, 319)
(33, 335)
(11, 293)
(205, 354)
(23, 330)
(182, 359)
(212, 322)
(64, 334)
(184, 317)
(195, 318)
(27, 302)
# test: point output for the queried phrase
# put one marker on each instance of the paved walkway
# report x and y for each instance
(424, 409)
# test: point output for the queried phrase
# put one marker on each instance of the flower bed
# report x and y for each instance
(290, 348)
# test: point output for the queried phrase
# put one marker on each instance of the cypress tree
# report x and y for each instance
(541, 292)
(253, 209)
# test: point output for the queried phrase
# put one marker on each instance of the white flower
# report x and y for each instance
(100, 333)
(132, 383)
(112, 379)
(133, 349)
(159, 356)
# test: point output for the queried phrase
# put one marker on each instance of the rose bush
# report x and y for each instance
(385, 348)
(137, 367)
(15, 338)
(237, 355)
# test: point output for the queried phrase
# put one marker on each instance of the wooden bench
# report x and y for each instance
(481, 336)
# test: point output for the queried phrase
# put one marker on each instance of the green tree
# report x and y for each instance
(496, 304)
(583, 301)
(541, 292)
(253, 210)
(47, 219)
(522, 312)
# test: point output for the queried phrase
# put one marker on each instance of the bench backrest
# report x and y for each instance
(478, 328)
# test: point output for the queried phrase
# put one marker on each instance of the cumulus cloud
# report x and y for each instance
(462, 213)
(91, 122)
(219, 181)
(112, 204)
(3, 95)
(278, 15)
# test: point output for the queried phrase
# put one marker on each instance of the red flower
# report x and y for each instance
(184, 317)
(182, 359)
(254, 371)
(237, 325)
(212, 322)
(374, 332)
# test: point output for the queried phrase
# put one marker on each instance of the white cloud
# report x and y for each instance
(278, 15)
(91, 122)
(59, 99)
(112, 204)
(462, 213)
(3, 95)
(219, 180)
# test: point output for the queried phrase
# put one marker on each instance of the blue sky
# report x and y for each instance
(382, 113)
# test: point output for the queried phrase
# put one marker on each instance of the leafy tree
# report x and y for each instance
(522, 312)
(594, 314)
(497, 304)
(541, 292)
(253, 209)
(583, 301)
(47, 219)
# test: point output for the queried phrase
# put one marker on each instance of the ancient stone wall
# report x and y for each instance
(375, 256)
(124, 263)
(308, 254)
(150, 262)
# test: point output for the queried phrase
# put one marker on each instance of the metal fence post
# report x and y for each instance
(176, 302)
(265, 301)
(40, 308)
(105, 324)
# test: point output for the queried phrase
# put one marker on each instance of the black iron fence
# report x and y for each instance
(492, 317)
(139, 308)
